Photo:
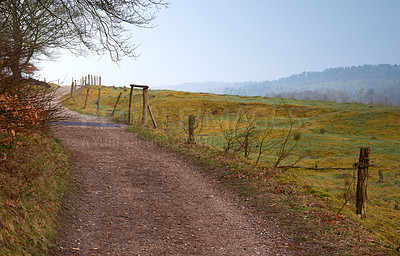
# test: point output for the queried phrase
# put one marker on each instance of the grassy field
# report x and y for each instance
(323, 135)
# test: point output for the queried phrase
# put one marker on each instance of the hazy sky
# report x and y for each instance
(242, 40)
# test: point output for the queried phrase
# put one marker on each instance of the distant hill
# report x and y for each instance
(370, 84)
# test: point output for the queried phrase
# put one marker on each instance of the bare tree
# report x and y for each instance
(101, 25)
(28, 31)
(31, 29)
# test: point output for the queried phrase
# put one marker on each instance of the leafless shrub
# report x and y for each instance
(245, 133)
(287, 143)
(247, 137)
(348, 191)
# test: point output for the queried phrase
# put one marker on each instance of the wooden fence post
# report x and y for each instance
(116, 103)
(98, 102)
(362, 182)
(192, 121)
(152, 116)
(145, 104)
(130, 105)
(87, 95)
(72, 89)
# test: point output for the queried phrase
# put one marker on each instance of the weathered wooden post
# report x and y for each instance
(98, 102)
(99, 80)
(116, 103)
(145, 105)
(87, 95)
(362, 182)
(192, 121)
(130, 105)
(145, 102)
(72, 89)
(152, 116)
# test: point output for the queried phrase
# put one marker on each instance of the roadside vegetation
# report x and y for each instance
(33, 168)
(33, 176)
(231, 132)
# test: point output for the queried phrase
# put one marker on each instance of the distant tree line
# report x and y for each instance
(343, 74)
(369, 84)
(385, 98)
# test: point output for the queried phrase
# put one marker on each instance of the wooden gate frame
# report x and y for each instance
(145, 105)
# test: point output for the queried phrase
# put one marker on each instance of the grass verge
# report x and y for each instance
(33, 173)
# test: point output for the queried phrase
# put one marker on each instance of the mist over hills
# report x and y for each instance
(370, 84)
(209, 87)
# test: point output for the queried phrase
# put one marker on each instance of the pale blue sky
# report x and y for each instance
(242, 40)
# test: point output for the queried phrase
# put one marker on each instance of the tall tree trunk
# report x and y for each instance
(16, 70)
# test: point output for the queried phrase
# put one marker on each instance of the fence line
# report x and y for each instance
(316, 168)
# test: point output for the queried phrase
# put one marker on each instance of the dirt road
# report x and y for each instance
(131, 197)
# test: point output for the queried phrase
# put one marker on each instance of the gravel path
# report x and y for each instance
(132, 197)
